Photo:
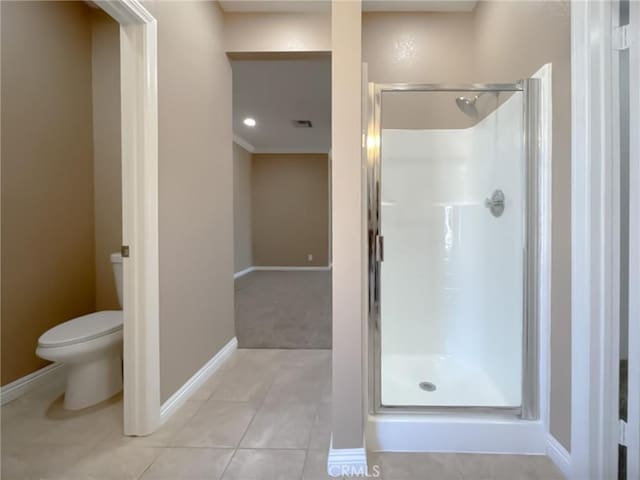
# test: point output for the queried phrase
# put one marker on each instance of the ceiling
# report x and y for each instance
(311, 6)
(277, 92)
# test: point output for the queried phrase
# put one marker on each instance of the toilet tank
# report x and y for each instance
(116, 265)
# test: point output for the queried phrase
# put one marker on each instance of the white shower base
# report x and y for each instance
(458, 383)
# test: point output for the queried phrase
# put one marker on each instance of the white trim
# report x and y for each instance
(126, 12)
(242, 273)
(544, 238)
(559, 455)
(139, 107)
(238, 140)
(175, 401)
(458, 433)
(23, 385)
(594, 315)
(633, 407)
(348, 462)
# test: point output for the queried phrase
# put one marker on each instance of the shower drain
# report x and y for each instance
(427, 386)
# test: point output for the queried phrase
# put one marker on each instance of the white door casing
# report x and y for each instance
(139, 109)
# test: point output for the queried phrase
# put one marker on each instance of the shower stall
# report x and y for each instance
(453, 220)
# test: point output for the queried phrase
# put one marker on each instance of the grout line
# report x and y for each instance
(259, 406)
(200, 407)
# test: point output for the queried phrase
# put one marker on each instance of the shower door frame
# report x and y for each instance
(532, 134)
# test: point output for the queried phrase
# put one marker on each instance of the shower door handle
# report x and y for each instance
(379, 248)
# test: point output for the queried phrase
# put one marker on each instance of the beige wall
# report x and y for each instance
(418, 47)
(513, 39)
(242, 255)
(54, 228)
(48, 266)
(498, 42)
(195, 184)
(290, 209)
(107, 166)
(277, 32)
(424, 110)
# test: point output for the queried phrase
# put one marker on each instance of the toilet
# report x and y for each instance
(91, 348)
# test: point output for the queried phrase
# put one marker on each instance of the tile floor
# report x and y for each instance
(264, 415)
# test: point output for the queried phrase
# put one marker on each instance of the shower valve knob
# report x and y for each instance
(495, 203)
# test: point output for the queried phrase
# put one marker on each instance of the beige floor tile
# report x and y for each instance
(315, 466)
(321, 430)
(265, 360)
(217, 424)
(244, 384)
(266, 465)
(297, 385)
(119, 463)
(38, 399)
(326, 390)
(305, 358)
(206, 390)
(508, 467)
(161, 437)
(415, 466)
(189, 464)
(281, 426)
(51, 424)
(39, 462)
(288, 397)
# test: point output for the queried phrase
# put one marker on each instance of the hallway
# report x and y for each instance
(264, 415)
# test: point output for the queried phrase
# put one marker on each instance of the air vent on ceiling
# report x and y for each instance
(302, 123)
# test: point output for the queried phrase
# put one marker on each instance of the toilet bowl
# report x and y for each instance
(91, 348)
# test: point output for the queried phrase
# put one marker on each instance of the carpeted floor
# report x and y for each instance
(284, 309)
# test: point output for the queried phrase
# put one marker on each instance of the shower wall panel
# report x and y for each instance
(452, 279)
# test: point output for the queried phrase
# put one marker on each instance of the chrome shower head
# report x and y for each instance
(468, 106)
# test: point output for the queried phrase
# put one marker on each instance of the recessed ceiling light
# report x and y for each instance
(249, 122)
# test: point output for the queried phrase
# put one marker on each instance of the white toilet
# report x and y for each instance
(91, 348)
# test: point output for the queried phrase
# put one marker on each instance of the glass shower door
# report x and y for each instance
(451, 207)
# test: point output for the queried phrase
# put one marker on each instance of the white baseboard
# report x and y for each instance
(242, 273)
(280, 269)
(347, 462)
(175, 401)
(23, 385)
(287, 269)
(559, 455)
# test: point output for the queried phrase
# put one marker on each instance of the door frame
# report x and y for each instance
(537, 134)
(633, 406)
(595, 251)
(139, 128)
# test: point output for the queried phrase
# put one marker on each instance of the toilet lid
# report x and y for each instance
(83, 328)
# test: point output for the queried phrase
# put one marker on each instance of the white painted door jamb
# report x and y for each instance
(595, 240)
(633, 406)
(139, 92)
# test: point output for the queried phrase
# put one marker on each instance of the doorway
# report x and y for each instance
(282, 139)
(134, 34)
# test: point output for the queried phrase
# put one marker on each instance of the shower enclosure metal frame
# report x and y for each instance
(530, 406)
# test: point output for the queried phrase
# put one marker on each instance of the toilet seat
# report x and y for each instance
(82, 329)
